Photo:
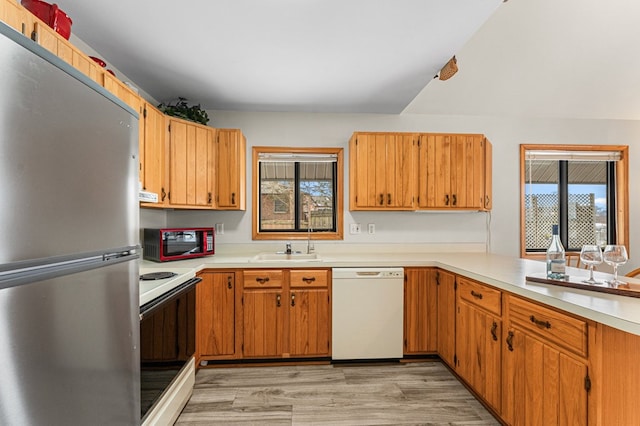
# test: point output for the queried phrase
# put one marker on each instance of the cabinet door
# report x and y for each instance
(478, 351)
(191, 158)
(45, 36)
(153, 153)
(420, 311)
(543, 386)
(438, 151)
(12, 14)
(467, 171)
(446, 316)
(309, 318)
(263, 323)
(381, 171)
(231, 169)
(215, 314)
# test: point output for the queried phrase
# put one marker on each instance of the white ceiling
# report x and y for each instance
(546, 58)
(359, 56)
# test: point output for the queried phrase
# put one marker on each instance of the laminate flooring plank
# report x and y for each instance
(340, 394)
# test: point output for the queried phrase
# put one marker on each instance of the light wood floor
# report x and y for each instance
(341, 394)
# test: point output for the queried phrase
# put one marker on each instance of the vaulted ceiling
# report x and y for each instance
(547, 58)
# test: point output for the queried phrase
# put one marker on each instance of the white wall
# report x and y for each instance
(302, 129)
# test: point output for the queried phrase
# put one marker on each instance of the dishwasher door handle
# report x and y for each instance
(367, 274)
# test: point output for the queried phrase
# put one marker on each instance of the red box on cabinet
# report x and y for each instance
(51, 15)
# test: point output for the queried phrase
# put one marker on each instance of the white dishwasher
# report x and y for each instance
(367, 313)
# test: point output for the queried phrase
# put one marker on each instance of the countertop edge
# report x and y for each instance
(503, 272)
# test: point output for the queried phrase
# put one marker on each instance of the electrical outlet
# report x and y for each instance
(219, 228)
(372, 228)
(354, 228)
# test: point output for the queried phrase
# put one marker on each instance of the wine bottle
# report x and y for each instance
(556, 262)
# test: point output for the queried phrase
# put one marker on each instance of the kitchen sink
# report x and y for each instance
(284, 257)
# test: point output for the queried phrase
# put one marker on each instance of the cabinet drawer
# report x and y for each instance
(561, 329)
(480, 295)
(263, 279)
(309, 278)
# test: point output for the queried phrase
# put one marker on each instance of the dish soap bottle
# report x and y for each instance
(556, 262)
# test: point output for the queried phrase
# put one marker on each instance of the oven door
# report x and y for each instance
(167, 340)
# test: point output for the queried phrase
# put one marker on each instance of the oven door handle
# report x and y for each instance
(151, 306)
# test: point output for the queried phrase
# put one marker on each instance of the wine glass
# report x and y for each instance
(615, 255)
(591, 255)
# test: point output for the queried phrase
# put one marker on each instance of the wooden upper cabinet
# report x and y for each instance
(17, 17)
(231, 165)
(153, 165)
(121, 90)
(45, 36)
(381, 171)
(453, 172)
(191, 167)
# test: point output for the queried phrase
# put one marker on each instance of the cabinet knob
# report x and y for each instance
(209, 199)
(278, 303)
(164, 194)
(308, 280)
(476, 295)
(446, 200)
(381, 199)
(494, 331)
(455, 200)
(388, 199)
(486, 200)
(229, 282)
(293, 299)
(233, 198)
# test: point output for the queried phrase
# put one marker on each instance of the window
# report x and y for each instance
(581, 188)
(297, 192)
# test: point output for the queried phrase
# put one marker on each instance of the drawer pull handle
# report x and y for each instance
(389, 199)
(510, 341)
(293, 299)
(262, 280)
(278, 303)
(494, 329)
(455, 200)
(476, 295)
(540, 323)
(381, 199)
(308, 280)
(446, 200)
(233, 198)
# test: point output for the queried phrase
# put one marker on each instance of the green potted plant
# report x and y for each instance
(181, 109)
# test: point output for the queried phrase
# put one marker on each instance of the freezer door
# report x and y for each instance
(68, 159)
(68, 349)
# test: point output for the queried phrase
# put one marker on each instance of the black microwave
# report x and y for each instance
(162, 245)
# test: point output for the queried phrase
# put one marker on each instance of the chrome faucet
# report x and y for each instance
(288, 249)
(310, 247)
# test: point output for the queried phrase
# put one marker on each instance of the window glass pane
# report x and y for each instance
(317, 196)
(309, 186)
(277, 189)
(587, 208)
(541, 202)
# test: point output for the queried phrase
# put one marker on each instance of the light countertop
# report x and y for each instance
(503, 272)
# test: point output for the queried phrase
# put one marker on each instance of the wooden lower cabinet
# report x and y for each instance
(446, 283)
(478, 339)
(543, 383)
(286, 313)
(216, 315)
(420, 311)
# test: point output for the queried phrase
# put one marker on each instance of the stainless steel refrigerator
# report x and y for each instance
(69, 326)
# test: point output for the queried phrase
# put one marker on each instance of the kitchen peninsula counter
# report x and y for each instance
(503, 272)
